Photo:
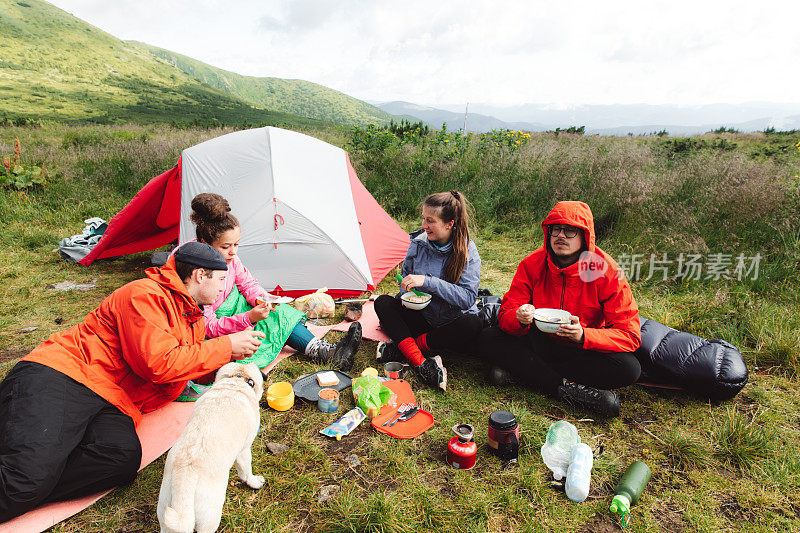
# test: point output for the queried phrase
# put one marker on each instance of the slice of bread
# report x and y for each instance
(327, 379)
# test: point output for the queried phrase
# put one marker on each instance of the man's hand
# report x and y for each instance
(525, 314)
(572, 331)
(259, 312)
(245, 343)
(411, 281)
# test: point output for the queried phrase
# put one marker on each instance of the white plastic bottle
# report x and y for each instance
(561, 438)
(579, 473)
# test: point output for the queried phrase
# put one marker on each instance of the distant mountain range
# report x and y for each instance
(455, 120)
(56, 66)
(606, 119)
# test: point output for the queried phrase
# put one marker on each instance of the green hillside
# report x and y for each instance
(291, 96)
(56, 66)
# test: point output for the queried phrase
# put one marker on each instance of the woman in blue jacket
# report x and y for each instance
(443, 262)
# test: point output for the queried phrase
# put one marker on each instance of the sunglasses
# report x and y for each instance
(569, 231)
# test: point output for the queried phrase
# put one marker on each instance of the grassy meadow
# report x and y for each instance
(731, 466)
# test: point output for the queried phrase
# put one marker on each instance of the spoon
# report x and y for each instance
(418, 293)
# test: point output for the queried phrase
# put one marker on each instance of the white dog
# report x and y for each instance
(220, 431)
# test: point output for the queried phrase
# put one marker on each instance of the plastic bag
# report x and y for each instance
(557, 448)
(316, 305)
(370, 395)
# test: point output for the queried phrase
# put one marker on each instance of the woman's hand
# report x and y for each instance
(525, 314)
(572, 331)
(411, 281)
(259, 312)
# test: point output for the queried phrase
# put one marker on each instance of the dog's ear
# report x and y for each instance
(227, 371)
(254, 372)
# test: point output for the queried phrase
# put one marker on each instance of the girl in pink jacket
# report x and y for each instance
(244, 303)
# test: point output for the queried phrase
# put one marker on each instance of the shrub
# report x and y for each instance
(574, 130)
(406, 128)
(15, 174)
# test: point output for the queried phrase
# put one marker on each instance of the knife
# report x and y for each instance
(406, 416)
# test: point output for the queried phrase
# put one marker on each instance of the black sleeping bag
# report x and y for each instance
(712, 369)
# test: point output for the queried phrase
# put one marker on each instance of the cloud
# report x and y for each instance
(303, 15)
(573, 51)
(268, 23)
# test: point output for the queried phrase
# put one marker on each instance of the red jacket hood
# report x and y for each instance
(572, 213)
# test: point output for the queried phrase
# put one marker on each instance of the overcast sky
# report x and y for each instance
(567, 52)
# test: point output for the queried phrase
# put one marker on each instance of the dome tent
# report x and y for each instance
(307, 221)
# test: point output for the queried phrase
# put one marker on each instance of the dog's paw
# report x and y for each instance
(256, 482)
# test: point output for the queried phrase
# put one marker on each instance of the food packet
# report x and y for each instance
(316, 305)
(370, 395)
(345, 425)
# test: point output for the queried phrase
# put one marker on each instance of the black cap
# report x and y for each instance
(502, 420)
(202, 255)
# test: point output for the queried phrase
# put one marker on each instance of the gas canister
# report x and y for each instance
(462, 450)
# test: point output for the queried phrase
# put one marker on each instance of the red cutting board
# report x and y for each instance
(417, 425)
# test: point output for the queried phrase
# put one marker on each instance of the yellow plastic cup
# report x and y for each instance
(280, 396)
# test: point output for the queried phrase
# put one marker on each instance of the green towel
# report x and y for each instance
(277, 326)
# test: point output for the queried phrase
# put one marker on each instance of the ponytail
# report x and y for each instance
(452, 205)
(211, 213)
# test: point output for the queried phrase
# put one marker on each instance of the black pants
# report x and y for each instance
(59, 440)
(399, 323)
(539, 361)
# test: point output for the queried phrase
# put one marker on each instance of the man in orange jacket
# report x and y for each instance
(68, 410)
(594, 351)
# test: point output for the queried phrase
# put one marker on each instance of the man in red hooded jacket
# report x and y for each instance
(68, 410)
(591, 354)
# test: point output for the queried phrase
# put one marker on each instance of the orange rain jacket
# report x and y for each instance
(602, 299)
(140, 346)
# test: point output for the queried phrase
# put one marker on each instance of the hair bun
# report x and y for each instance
(209, 207)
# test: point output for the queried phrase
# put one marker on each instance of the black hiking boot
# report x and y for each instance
(388, 352)
(602, 402)
(500, 377)
(432, 372)
(342, 353)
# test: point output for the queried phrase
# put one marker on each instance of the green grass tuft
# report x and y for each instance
(684, 451)
(741, 443)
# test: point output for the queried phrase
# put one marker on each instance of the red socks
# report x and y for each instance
(410, 349)
(422, 342)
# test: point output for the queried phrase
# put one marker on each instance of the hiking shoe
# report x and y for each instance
(500, 377)
(603, 402)
(340, 354)
(192, 392)
(432, 372)
(388, 352)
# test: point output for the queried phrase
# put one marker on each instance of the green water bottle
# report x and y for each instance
(629, 489)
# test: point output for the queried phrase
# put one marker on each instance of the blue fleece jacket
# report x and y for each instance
(450, 300)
